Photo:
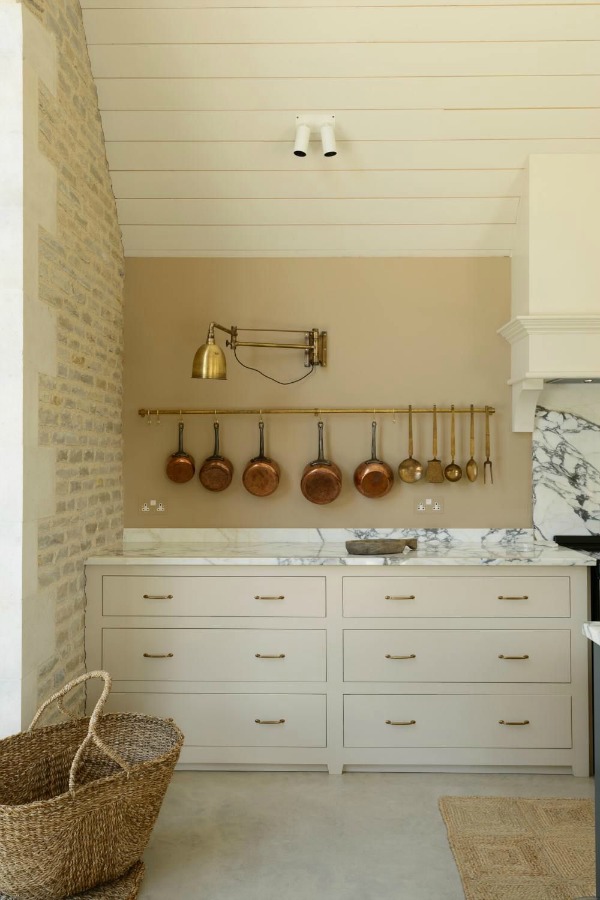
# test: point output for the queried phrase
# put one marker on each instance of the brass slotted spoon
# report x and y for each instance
(410, 469)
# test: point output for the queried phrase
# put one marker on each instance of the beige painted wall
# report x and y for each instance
(418, 331)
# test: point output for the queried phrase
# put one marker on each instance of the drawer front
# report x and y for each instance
(457, 721)
(229, 720)
(214, 654)
(509, 596)
(444, 656)
(188, 595)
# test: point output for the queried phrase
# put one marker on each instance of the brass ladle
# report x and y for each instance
(472, 469)
(453, 471)
(410, 470)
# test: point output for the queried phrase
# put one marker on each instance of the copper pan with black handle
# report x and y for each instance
(180, 465)
(373, 477)
(216, 471)
(261, 475)
(321, 479)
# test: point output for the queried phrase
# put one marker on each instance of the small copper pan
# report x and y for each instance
(180, 465)
(373, 478)
(261, 475)
(216, 472)
(321, 480)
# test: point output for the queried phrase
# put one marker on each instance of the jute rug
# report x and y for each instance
(125, 888)
(510, 848)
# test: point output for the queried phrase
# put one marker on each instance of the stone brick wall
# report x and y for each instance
(79, 407)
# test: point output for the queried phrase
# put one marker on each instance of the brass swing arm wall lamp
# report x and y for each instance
(210, 362)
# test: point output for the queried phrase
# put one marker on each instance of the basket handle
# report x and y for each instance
(92, 734)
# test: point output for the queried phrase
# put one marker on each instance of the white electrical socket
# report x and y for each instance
(153, 506)
(429, 505)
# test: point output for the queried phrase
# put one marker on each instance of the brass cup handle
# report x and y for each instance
(158, 655)
(502, 656)
(410, 656)
(269, 721)
(265, 597)
(158, 596)
(270, 655)
(503, 597)
(400, 597)
(524, 722)
(389, 722)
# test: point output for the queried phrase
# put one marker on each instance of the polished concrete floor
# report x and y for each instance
(305, 836)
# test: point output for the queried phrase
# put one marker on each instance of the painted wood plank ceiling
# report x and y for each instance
(437, 106)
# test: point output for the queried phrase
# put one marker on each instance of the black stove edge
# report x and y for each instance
(578, 541)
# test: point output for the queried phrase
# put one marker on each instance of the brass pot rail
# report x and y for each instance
(314, 411)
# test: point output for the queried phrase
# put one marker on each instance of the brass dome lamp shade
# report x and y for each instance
(210, 362)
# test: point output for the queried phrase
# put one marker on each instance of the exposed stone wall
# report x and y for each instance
(81, 282)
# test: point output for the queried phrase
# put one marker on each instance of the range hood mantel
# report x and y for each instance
(554, 332)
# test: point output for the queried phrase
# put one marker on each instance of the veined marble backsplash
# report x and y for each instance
(429, 536)
(566, 461)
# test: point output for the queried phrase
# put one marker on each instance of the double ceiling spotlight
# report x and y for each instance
(309, 122)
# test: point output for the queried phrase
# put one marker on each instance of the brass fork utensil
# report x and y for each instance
(488, 461)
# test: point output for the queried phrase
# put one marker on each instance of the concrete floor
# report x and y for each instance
(305, 836)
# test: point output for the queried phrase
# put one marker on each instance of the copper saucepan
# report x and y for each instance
(321, 479)
(180, 465)
(373, 478)
(216, 472)
(261, 475)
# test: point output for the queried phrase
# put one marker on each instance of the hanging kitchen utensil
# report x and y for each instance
(435, 472)
(410, 469)
(472, 468)
(216, 472)
(488, 461)
(373, 478)
(321, 479)
(453, 471)
(261, 475)
(180, 465)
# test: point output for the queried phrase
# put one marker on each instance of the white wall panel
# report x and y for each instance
(423, 211)
(348, 60)
(350, 24)
(297, 94)
(332, 183)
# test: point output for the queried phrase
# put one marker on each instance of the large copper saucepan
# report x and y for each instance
(373, 478)
(180, 465)
(261, 475)
(216, 472)
(321, 480)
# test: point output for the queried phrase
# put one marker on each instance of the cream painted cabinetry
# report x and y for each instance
(429, 667)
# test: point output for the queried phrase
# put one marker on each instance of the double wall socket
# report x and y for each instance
(429, 505)
(154, 507)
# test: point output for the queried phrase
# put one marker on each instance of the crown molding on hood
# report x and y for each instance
(545, 348)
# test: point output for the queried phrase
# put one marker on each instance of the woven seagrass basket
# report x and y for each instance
(78, 800)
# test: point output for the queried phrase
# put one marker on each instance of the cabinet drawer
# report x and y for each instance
(511, 596)
(457, 721)
(214, 654)
(188, 595)
(457, 656)
(229, 720)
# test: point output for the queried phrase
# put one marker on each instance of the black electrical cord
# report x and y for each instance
(270, 377)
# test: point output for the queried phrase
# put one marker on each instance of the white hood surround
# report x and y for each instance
(554, 331)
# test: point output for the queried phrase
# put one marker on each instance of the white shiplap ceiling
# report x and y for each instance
(437, 108)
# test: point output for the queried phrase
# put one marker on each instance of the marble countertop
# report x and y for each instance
(330, 553)
(592, 631)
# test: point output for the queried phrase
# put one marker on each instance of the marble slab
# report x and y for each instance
(592, 631)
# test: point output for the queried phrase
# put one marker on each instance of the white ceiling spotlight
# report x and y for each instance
(309, 122)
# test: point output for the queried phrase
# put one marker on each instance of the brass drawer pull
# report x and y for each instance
(410, 656)
(158, 596)
(269, 721)
(524, 722)
(158, 655)
(502, 597)
(263, 597)
(400, 597)
(270, 656)
(502, 656)
(389, 722)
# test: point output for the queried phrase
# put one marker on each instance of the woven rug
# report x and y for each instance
(510, 848)
(125, 888)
